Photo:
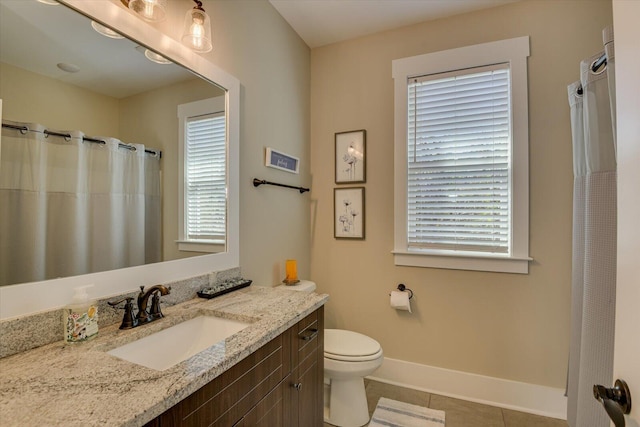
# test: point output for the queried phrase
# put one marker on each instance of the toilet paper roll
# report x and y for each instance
(400, 300)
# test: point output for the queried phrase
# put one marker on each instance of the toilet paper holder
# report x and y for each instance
(402, 288)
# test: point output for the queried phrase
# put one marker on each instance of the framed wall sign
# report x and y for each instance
(279, 160)
(348, 207)
(350, 157)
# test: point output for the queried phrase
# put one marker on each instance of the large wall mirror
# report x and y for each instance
(87, 196)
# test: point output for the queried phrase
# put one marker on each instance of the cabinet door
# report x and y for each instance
(309, 395)
(271, 411)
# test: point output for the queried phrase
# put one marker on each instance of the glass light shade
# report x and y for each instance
(105, 31)
(158, 59)
(197, 31)
(149, 10)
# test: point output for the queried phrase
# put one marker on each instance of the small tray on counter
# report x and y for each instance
(224, 288)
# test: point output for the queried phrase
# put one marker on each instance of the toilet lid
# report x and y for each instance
(348, 345)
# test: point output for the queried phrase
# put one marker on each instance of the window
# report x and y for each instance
(461, 146)
(203, 189)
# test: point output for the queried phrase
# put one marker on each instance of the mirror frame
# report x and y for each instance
(26, 298)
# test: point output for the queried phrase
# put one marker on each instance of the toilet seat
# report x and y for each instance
(349, 346)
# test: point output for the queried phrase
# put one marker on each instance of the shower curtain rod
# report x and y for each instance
(598, 62)
(25, 129)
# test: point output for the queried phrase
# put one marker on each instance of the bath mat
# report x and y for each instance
(391, 413)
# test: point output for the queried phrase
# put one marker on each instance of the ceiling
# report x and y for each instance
(322, 22)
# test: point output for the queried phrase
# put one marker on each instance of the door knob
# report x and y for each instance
(616, 401)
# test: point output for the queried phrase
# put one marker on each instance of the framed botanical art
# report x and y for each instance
(348, 207)
(350, 158)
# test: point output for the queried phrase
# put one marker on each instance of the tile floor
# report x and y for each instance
(459, 413)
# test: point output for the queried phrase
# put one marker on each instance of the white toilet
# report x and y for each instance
(348, 358)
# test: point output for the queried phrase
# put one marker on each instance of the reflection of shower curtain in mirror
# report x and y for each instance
(69, 207)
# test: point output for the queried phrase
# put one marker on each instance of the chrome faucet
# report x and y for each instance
(143, 315)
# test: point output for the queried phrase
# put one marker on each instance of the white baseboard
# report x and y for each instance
(524, 397)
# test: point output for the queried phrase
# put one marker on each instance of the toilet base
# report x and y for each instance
(347, 403)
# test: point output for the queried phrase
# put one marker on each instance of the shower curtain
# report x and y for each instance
(592, 105)
(70, 207)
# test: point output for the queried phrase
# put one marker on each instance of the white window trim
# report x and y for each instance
(191, 109)
(515, 52)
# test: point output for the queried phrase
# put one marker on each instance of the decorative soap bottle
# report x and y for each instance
(80, 318)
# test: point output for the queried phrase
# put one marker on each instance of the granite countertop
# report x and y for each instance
(80, 384)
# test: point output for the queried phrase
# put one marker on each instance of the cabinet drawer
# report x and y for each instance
(307, 337)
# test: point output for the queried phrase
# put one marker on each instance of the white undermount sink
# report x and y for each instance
(166, 348)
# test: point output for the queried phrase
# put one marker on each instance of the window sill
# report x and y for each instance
(463, 261)
(196, 246)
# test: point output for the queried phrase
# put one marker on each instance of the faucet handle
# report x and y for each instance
(128, 320)
(115, 303)
(155, 311)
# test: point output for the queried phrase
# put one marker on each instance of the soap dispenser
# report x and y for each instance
(80, 318)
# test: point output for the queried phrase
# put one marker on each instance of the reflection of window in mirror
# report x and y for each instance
(202, 199)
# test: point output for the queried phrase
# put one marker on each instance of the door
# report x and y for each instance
(627, 339)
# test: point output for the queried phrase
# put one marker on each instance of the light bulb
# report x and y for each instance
(197, 31)
(148, 8)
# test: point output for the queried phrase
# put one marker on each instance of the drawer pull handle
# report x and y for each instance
(297, 386)
(308, 334)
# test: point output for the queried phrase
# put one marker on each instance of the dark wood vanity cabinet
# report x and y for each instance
(280, 384)
(307, 372)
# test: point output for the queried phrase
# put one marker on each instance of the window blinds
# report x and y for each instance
(205, 178)
(459, 143)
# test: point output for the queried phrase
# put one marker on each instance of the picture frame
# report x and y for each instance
(282, 161)
(350, 157)
(349, 213)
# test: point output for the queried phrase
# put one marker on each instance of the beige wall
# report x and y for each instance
(501, 325)
(255, 44)
(151, 118)
(33, 98)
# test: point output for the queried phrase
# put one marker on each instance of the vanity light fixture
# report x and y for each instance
(152, 56)
(197, 29)
(149, 10)
(105, 31)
